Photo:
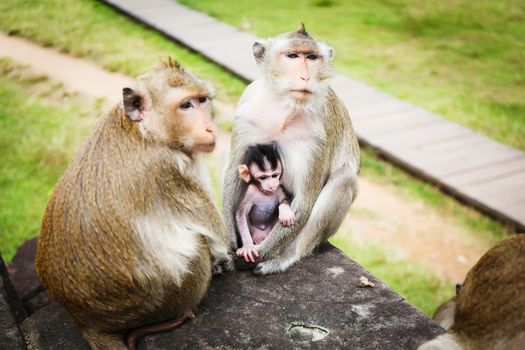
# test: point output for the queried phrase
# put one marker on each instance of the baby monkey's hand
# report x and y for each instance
(248, 253)
(286, 215)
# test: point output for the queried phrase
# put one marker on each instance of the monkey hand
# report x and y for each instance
(248, 253)
(223, 264)
(286, 215)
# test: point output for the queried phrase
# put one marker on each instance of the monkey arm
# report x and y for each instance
(282, 198)
(286, 215)
(316, 222)
(241, 218)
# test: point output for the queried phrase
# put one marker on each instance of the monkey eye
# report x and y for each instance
(203, 99)
(312, 57)
(186, 105)
(292, 55)
(262, 178)
(275, 176)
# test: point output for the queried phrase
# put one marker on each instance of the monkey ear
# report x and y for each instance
(133, 104)
(244, 173)
(327, 52)
(259, 50)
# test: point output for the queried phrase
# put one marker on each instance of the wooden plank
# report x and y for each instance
(350, 88)
(517, 211)
(238, 39)
(450, 145)
(354, 95)
(484, 150)
(393, 123)
(487, 158)
(205, 33)
(498, 169)
(239, 59)
(514, 211)
(508, 197)
(488, 188)
(413, 138)
(374, 110)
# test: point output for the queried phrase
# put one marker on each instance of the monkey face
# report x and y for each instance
(268, 179)
(172, 107)
(299, 71)
(296, 64)
(190, 114)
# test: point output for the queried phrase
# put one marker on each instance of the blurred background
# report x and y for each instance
(463, 60)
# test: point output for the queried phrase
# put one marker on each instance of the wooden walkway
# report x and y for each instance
(475, 169)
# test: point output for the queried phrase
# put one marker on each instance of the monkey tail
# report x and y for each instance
(137, 334)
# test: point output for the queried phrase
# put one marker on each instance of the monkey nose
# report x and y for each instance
(305, 78)
(211, 130)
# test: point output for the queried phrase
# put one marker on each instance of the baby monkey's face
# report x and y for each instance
(268, 179)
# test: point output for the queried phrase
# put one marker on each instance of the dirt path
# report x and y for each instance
(380, 214)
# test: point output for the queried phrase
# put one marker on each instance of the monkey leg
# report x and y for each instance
(98, 340)
(137, 334)
(326, 217)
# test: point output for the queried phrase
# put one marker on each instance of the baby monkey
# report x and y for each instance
(265, 200)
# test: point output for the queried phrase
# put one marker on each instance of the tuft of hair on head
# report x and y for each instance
(258, 153)
(169, 63)
(301, 29)
(300, 33)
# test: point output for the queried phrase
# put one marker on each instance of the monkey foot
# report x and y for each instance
(273, 266)
(225, 264)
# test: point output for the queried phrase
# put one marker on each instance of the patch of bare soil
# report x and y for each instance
(414, 230)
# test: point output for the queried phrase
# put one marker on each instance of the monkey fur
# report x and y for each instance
(291, 103)
(130, 235)
(489, 310)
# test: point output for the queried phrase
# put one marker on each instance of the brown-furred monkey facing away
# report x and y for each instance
(131, 235)
(291, 103)
(488, 312)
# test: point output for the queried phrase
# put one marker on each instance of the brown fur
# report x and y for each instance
(490, 307)
(88, 251)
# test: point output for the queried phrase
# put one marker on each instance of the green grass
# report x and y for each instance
(37, 141)
(93, 30)
(40, 131)
(464, 60)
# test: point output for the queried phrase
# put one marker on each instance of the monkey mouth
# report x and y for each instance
(302, 91)
(206, 147)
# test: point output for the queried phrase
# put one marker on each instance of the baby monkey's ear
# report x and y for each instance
(244, 173)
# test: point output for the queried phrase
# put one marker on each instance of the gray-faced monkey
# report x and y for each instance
(489, 310)
(291, 103)
(131, 235)
(265, 201)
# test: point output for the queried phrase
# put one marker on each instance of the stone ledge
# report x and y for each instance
(316, 305)
(11, 313)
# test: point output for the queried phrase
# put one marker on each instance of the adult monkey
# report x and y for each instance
(131, 236)
(292, 103)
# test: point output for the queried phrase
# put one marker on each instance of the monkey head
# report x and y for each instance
(262, 166)
(295, 64)
(172, 107)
